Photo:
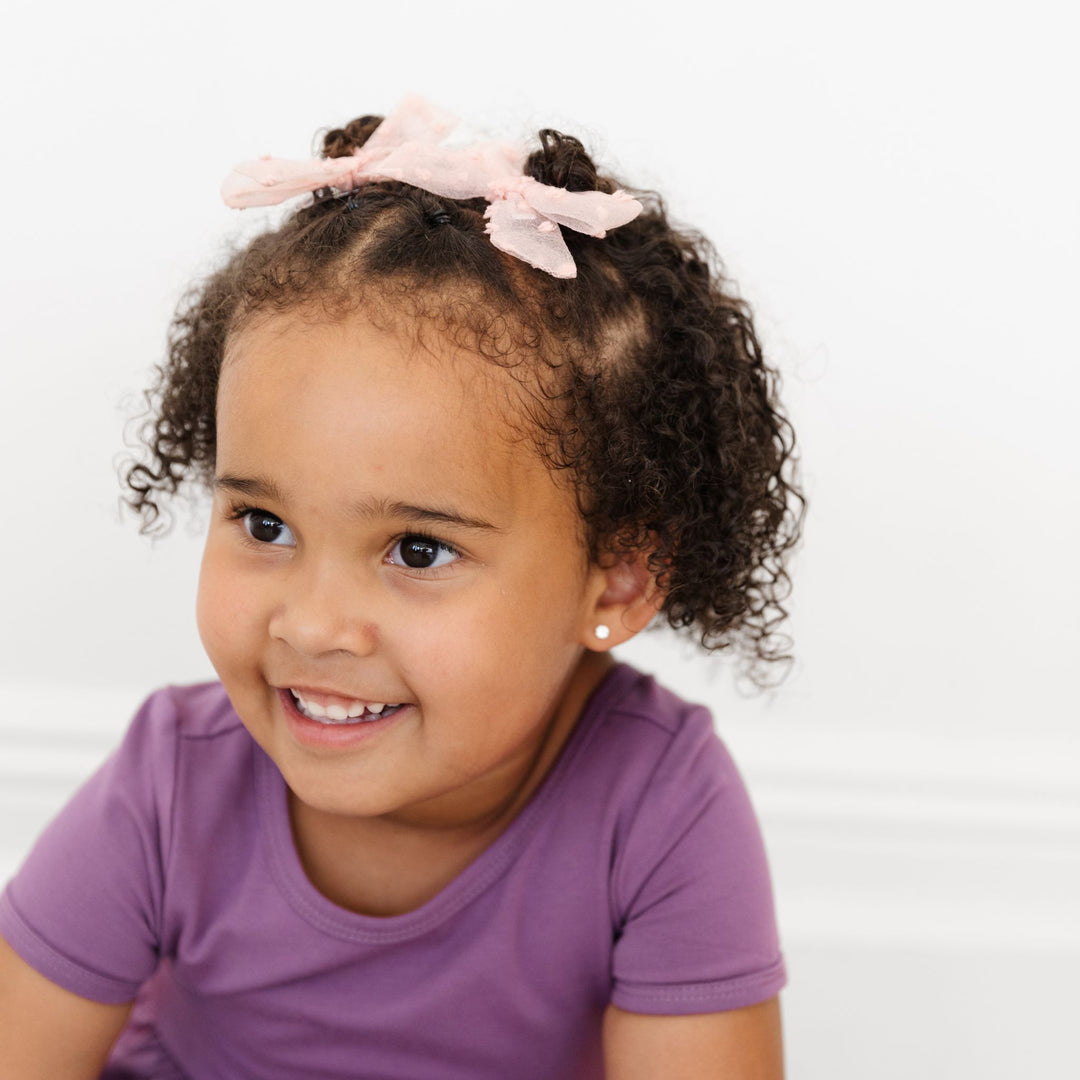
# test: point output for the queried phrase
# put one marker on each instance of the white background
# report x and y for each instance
(895, 189)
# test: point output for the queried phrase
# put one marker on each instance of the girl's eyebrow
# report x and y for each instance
(365, 509)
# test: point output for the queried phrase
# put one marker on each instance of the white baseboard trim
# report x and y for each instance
(877, 838)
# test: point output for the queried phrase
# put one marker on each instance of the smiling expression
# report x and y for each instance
(377, 536)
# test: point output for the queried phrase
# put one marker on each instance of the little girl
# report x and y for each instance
(469, 419)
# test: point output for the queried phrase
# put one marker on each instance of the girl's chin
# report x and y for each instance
(315, 799)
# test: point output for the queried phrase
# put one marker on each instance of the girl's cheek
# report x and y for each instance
(210, 607)
(222, 599)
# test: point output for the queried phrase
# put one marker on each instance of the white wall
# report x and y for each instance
(896, 193)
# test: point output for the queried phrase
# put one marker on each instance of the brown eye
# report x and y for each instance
(419, 554)
(422, 553)
(266, 528)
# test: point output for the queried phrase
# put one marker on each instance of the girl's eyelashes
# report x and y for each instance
(415, 551)
(263, 527)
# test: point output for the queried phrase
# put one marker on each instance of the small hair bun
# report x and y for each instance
(340, 142)
(562, 161)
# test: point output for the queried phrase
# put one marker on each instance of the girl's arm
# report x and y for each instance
(48, 1033)
(742, 1044)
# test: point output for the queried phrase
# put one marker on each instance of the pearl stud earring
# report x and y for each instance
(602, 632)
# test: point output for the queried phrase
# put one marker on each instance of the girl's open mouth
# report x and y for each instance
(334, 730)
(357, 712)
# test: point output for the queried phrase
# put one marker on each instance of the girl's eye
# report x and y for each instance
(266, 528)
(422, 553)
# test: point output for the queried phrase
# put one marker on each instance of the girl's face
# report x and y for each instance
(377, 537)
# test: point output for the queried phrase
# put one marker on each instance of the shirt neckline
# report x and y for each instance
(323, 914)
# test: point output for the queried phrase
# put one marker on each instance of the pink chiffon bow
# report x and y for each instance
(523, 215)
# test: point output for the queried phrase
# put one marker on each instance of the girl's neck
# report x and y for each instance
(416, 857)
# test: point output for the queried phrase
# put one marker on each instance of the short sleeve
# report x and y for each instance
(695, 918)
(85, 907)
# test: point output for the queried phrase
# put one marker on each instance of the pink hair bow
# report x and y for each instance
(523, 215)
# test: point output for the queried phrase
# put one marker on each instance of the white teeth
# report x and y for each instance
(311, 708)
(338, 714)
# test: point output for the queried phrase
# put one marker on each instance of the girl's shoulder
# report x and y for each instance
(656, 756)
(162, 792)
(641, 721)
(186, 711)
(174, 725)
(688, 880)
(633, 694)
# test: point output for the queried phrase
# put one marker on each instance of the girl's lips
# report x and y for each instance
(332, 736)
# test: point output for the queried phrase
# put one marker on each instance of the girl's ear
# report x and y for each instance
(625, 598)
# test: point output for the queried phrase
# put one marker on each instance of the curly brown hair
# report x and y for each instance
(647, 377)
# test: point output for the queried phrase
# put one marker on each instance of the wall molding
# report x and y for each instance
(879, 837)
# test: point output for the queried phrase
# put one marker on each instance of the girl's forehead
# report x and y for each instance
(350, 406)
(287, 351)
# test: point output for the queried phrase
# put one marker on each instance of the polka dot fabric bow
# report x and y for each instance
(523, 215)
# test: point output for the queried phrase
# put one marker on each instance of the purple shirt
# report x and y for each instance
(635, 875)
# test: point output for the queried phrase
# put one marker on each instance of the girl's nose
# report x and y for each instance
(323, 612)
